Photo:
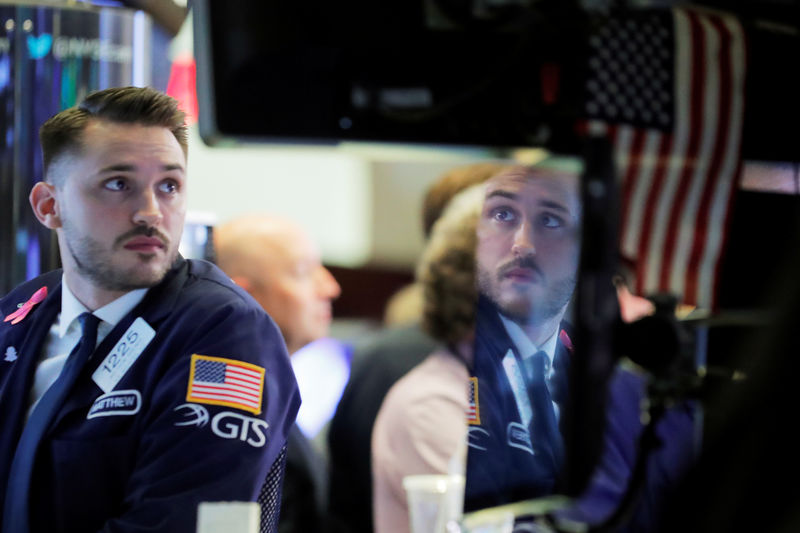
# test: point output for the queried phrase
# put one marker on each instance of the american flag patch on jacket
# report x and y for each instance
(219, 381)
(473, 409)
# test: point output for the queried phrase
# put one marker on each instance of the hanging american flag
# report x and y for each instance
(219, 381)
(668, 88)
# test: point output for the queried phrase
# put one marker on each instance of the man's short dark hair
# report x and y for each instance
(128, 105)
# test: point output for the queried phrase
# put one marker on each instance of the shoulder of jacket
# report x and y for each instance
(207, 288)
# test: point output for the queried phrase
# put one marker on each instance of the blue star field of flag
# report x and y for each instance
(631, 71)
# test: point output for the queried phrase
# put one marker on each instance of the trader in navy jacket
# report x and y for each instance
(527, 255)
(188, 395)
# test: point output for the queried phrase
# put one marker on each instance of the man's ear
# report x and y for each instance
(44, 204)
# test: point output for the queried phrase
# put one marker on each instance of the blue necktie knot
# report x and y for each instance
(89, 324)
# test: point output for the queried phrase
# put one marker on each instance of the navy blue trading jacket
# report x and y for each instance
(144, 456)
(665, 467)
(502, 466)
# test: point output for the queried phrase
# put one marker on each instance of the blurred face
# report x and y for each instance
(296, 290)
(529, 243)
(119, 206)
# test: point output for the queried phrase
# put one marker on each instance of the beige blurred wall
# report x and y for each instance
(361, 202)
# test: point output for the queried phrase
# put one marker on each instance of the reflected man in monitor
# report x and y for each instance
(528, 248)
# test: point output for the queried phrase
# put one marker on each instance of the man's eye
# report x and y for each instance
(169, 187)
(503, 215)
(551, 221)
(115, 184)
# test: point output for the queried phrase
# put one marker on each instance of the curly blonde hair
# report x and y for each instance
(446, 269)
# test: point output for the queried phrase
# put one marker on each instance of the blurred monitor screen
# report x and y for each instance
(395, 71)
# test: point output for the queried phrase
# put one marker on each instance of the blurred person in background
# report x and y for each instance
(421, 427)
(275, 260)
(649, 436)
(378, 362)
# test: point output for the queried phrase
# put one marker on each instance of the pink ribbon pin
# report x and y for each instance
(18, 315)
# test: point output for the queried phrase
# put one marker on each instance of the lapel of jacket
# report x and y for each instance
(154, 308)
(497, 402)
(27, 337)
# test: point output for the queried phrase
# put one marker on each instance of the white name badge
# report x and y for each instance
(122, 356)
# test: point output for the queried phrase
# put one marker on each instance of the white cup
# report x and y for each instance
(228, 517)
(434, 501)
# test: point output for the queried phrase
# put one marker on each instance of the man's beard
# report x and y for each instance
(94, 263)
(531, 310)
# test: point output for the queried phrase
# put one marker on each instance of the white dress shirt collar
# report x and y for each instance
(110, 314)
(525, 347)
